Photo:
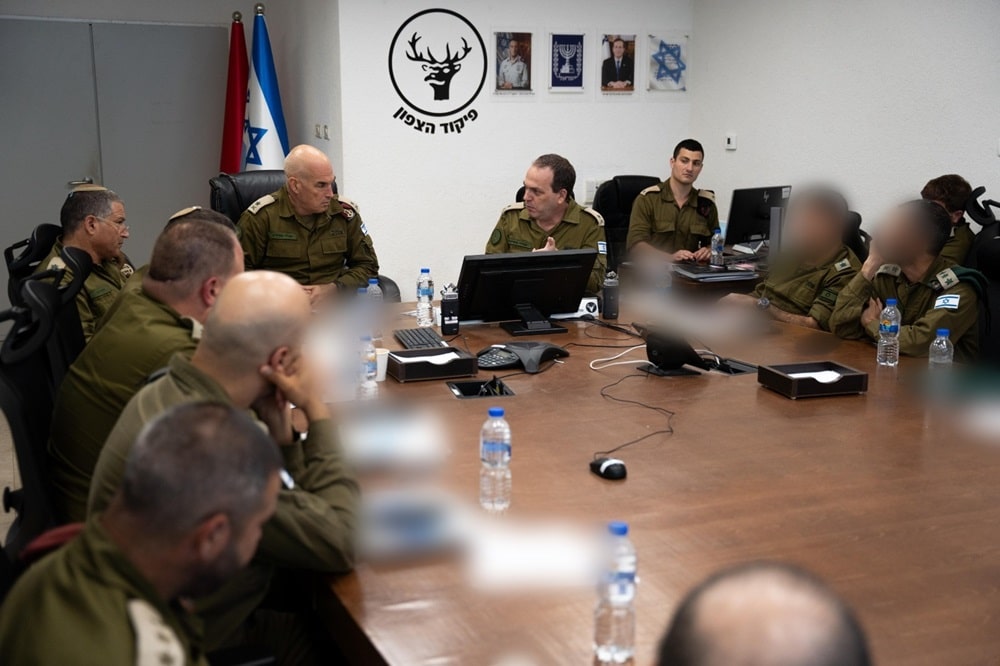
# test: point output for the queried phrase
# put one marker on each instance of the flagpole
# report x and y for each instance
(231, 159)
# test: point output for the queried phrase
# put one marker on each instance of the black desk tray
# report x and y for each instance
(778, 378)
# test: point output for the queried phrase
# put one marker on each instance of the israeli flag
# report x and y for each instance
(265, 139)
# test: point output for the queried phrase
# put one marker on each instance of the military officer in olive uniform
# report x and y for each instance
(548, 219)
(932, 292)
(951, 191)
(674, 220)
(188, 516)
(192, 261)
(307, 232)
(93, 219)
(805, 279)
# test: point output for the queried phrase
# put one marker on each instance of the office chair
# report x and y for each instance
(232, 193)
(519, 195)
(613, 200)
(67, 341)
(36, 248)
(856, 238)
(987, 257)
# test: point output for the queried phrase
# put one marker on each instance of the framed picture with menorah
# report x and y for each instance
(566, 62)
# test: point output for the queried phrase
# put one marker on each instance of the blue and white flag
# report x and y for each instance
(265, 139)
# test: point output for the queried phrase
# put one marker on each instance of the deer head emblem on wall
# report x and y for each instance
(439, 72)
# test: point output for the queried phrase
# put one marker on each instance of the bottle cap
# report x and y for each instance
(496, 412)
(890, 301)
(718, 230)
(943, 332)
(618, 528)
(366, 338)
(373, 281)
(425, 270)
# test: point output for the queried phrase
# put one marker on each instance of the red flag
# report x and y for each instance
(236, 99)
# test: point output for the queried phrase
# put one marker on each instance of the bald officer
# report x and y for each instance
(307, 232)
(549, 219)
(188, 516)
(806, 277)
(93, 219)
(673, 220)
(932, 292)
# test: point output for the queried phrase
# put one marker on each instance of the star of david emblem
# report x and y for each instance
(669, 63)
(254, 134)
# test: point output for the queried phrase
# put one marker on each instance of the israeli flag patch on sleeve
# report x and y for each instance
(947, 302)
(602, 247)
(364, 229)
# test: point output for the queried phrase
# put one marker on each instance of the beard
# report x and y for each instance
(214, 575)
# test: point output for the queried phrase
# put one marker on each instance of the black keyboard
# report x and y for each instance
(732, 260)
(419, 338)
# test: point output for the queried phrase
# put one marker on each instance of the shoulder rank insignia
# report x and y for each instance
(889, 269)
(597, 216)
(842, 265)
(350, 208)
(706, 202)
(263, 202)
(652, 189)
(57, 262)
(514, 206)
(127, 271)
(156, 643)
(947, 278)
(707, 194)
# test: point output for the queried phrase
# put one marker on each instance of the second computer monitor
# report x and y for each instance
(750, 214)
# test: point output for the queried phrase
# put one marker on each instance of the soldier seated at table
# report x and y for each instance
(812, 266)
(763, 613)
(93, 219)
(673, 220)
(932, 292)
(307, 232)
(549, 218)
(951, 192)
(188, 516)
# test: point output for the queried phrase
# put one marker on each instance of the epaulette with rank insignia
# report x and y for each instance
(597, 216)
(842, 265)
(889, 269)
(706, 202)
(514, 206)
(652, 189)
(350, 208)
(263, 202)
(155, 641)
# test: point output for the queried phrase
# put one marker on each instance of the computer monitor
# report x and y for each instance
(750, 214)
(523, 289)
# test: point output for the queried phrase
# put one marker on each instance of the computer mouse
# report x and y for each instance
(611, 469)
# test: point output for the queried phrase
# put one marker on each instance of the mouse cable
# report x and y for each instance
(591, 319)
(613, 360)
(669, 430)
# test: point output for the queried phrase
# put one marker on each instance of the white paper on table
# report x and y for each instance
(823, 376)
(436, 359)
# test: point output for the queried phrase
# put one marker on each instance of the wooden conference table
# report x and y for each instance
(902, 522)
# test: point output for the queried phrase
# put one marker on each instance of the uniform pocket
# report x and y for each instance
(334, 245)
(284, 249)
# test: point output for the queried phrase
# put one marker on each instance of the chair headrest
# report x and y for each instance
(34, 321)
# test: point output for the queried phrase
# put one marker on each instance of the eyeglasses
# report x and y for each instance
(122, 226)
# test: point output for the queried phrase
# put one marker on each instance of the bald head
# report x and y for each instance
(309, 179)
(763, 615)
(256, 314)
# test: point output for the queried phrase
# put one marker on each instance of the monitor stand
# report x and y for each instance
(532, 323)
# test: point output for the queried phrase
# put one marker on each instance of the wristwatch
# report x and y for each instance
(763, 303)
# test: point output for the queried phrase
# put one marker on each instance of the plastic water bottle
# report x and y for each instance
(494, 452)
(367, 387)
(614, 617)
(888, 335)
(718, 246)
(425, 298)
(374, 296)
(942, 352)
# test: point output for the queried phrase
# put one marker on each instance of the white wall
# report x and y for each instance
(430, 200)
(203, 12)
(877, 97)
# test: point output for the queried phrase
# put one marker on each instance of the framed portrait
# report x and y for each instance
(668, 62)
(617, 63)
(566, 62)
(513, 63)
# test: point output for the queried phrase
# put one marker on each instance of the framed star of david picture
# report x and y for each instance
(668, 62)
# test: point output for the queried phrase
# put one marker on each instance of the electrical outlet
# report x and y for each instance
(730, 142)
(319, 135)
(326, 132)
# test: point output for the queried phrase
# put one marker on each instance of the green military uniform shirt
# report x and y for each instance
(137, 339)
(86, 604)
(808, 291)
(581, 228)
(958, 246)
(330, 247)
(657, 220)
(313, 527)
(99, 290)
(938, 300)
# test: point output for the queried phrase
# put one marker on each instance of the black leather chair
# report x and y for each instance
(32, 251)
(67, 341)
(987, 259)
(855, 237)
(232, 193)
(613, 200)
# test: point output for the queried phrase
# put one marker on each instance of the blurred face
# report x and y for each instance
(618, 49)
(312, 190)
(109, 233)
(895, 241)
(539, 199)
(811, 231)
(512, 49)
(686, 166)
